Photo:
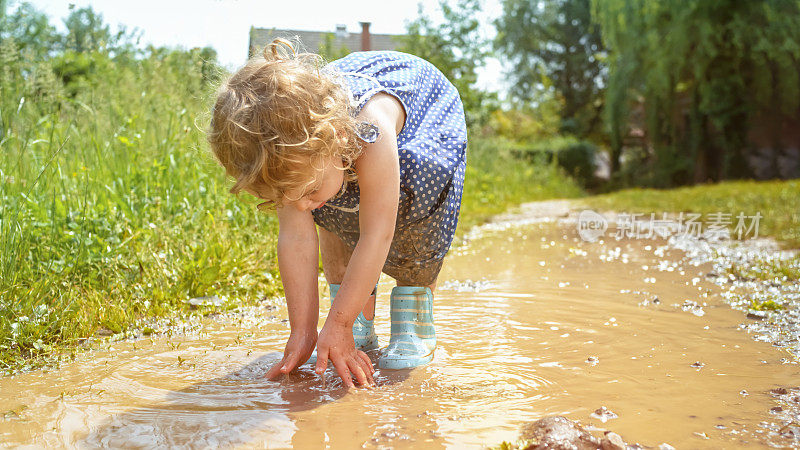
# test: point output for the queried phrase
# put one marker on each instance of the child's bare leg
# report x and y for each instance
(406, 278)
(335, 257)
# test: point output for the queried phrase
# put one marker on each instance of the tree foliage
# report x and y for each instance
(457, 48)
(553, 48)
(701, 70)
(28, 28)
(86, 31)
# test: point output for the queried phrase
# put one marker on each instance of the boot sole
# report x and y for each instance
(405, 363)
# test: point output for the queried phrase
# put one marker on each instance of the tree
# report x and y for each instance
(86, 31)
(457, 48)
(702, 71)
(88, 47)
(29, 29)
(555, 49)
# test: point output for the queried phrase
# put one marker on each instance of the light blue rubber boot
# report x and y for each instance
(413, 336)
(363, 330)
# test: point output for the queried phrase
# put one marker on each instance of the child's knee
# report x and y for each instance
(422, 275)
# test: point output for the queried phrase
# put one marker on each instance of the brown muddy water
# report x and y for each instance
(531, 321)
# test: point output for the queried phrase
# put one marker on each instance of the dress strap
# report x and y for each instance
(366, 94)
(362, 75)
(366, 131)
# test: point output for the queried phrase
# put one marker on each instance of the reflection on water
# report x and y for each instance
(530, 321)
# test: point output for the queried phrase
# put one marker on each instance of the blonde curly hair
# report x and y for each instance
(277, 118)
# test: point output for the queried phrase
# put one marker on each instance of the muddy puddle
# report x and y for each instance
(531, 322)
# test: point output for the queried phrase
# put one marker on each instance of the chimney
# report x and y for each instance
(366, 43)
(341, 31)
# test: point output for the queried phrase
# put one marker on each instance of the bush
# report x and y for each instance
(496, 180)
(577, 157)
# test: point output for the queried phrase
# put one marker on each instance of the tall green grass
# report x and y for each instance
(111, 209)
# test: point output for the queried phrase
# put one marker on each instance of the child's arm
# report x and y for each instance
(378, 170)
(298, 261)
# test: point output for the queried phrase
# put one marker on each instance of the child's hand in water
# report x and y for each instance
(336, 343)
(298, 349)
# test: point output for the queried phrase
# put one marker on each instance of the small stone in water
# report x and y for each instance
(697, 364)
(743, 392)
(612, 441)
(790, 430)
(604, 414)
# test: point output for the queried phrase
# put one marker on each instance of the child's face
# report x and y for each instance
(326, 184)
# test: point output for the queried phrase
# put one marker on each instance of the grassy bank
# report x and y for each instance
(113, 212)
(778, 202)
(496, 181)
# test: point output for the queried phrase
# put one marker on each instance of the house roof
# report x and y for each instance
(311, 40)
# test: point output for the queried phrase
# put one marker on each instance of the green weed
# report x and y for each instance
(496, 180)
(767, 305)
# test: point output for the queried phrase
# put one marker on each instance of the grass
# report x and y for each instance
(496, 181)
(112, 211)
(778, 202)
(770, 305)
(773, 269)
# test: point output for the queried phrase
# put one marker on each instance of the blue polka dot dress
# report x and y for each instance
(432, 152)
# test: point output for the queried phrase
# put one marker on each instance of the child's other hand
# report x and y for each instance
(336, 343)
(299, 348)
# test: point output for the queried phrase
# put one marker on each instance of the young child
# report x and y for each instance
(372, 149)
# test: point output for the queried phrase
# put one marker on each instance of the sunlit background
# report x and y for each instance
(225, 24)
